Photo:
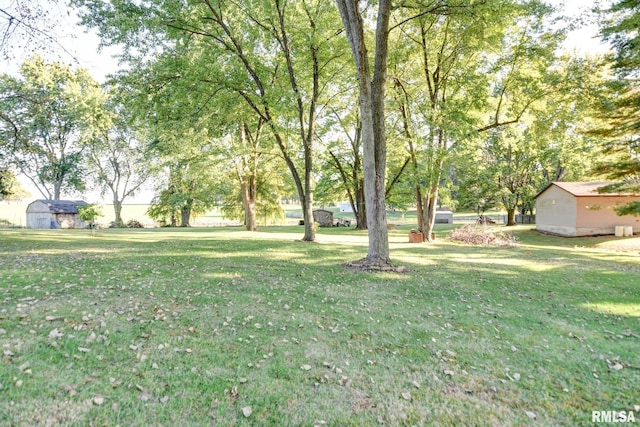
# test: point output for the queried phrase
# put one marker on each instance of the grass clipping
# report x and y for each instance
(482, 235)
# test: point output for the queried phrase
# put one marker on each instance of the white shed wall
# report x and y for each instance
(556, 212)
(39, 220)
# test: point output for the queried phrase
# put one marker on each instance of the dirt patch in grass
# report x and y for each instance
(368, 266)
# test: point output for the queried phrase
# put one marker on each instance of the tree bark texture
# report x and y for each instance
(117, 210)
(248, 185)
(372, 90)
(185, 213)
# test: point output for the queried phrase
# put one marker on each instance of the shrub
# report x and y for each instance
(482, 235)
(89, 213)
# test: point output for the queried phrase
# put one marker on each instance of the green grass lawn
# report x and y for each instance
(218, 326)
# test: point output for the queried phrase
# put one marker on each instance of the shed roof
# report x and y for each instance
(581, 189)
(62, 206)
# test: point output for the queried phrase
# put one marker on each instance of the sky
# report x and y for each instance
(73, 44)
(80, 47)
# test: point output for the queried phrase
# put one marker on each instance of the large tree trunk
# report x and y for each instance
(372, 116)
(247, 174)
(511, 216)
(249, 204)
(307, 216)
(185, 214)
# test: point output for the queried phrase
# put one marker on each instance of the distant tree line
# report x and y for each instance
(473, 105)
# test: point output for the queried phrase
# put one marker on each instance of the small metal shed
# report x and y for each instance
(444, 215)
(323, 217)
(47, 214)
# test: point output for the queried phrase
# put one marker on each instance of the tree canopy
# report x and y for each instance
(46, 115)
(378, 103)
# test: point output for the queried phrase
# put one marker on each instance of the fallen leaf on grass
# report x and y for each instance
(246, 411)
(616, 366)
(55, 333)
(305, 367)
(91, 338)
(416, 384)
(98, 400)
(234, 393)
(406, 395)
(531, 415)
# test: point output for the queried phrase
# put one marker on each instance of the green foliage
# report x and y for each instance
(619, 26)
(619, 124)
(7, 183)
(188, 191)
(267, 209)
(116, 155)
(632, 208)
(456, 78)
(275, 59)
(163, 211)
(89, 213)
(45, 117)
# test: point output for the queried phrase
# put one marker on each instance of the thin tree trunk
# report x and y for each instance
(432, 206)
(360, 208)
(430, 217)
(56, 190)
(117, 209)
